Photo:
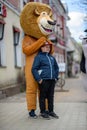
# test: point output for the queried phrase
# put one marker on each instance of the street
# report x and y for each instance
(70, 105)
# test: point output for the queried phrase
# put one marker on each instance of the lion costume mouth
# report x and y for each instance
(46, 29)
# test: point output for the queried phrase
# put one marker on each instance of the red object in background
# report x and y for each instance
(16, 29)
(4, 11)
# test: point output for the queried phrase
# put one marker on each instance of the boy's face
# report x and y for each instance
(45, 48)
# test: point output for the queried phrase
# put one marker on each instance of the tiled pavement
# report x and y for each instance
(71, 106)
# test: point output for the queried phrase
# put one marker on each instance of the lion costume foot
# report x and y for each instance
(32, 114)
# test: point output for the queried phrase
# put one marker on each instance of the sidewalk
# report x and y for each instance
(71, 106)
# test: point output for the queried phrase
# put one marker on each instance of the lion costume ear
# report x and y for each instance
(37, 11)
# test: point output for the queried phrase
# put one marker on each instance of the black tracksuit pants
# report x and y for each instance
(46, 92)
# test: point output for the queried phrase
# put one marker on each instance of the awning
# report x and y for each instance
(16, 29)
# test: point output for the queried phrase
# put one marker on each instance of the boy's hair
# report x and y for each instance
(46, 44)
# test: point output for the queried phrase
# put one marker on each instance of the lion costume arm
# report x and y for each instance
(29, 46)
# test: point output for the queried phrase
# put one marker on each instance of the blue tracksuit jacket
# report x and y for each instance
(45, 67)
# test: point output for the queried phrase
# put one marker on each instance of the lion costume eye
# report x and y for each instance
(43, 13)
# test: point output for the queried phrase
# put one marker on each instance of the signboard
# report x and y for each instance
(62, 67)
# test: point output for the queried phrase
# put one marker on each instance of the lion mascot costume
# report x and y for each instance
(37, 24)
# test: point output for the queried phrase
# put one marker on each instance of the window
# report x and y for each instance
(1, 29)
(17, 47)
(16, 32)
(2, 45)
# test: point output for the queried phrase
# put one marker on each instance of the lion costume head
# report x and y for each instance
(36, 19)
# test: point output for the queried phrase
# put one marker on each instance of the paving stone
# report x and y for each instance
(71, 107)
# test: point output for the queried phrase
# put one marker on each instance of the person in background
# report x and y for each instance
(84, 47)
(45, 71)
(83, 63)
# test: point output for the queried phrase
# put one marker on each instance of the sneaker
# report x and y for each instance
(52, 114)
(32, 114)
(47, 112)
(45, 116)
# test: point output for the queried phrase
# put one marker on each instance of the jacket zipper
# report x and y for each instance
(50, 64)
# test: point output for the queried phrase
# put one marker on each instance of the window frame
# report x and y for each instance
(2, 23)
(16, 37)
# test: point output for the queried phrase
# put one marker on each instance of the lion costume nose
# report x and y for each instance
(52, 23)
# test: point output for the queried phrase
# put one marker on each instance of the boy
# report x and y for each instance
(45, 71)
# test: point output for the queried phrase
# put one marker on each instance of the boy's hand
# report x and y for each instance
(40, 81)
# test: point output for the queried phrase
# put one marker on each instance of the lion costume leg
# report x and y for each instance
(31, 93)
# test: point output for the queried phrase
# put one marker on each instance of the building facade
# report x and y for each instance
(74, 51)
(60, 14)
(11, 74)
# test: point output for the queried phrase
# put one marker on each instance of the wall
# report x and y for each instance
(10, 75)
